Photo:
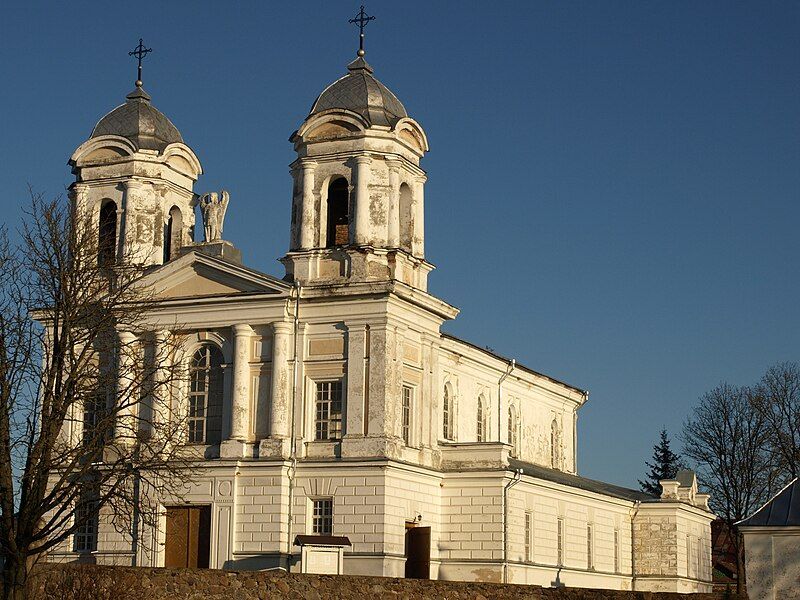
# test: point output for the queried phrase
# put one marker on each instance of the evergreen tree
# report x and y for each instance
(665, 465)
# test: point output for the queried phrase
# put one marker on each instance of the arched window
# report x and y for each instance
(406, 217)
(481, 419)
(205, 396)
(555, 442)
(448, 414)
(338, 213)
(107, 242)
(173, 234)
(512, 429)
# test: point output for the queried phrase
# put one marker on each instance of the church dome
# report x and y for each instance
(360, 92)
(140, 122)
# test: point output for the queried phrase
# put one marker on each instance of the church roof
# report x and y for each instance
(140, 122)
(359, 91)
(583, 483)
(782, 511)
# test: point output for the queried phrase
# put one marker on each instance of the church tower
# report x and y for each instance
(358, 200)
(134, 177)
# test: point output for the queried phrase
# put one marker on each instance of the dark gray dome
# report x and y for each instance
(360, 92)
(140, 122)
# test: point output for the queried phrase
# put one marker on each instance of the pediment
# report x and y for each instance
(196, 275)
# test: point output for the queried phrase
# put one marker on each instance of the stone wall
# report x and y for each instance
(90, 582)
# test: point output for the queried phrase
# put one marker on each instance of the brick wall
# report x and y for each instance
(89, 582)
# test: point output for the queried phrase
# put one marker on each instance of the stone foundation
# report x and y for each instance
(91, 582)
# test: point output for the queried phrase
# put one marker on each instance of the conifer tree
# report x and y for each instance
(665, 465)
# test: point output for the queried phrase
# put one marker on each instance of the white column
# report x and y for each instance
(161, 397)
(79, 194)
(393, 239)
(128, 388)
(307, 209)
(418, 240)
(128, 249)
(240, 397)
(281, 384)
(362, 177)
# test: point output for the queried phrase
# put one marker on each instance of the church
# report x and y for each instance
(337, 427)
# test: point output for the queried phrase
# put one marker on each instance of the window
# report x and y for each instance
(528, 536)
(107, 243)
(560, 543)
(338, 213)
(616, 551)
(322, 517)
(97, 426)
(87, 521)
(328, 422)
(205, 396)
(590, 546)
(448, 414)
(512, 429)
(408, 399)
(688, 556)
(481, 420)
(173, 234)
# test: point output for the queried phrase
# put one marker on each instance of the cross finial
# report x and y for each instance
(361, 19)
(140, 52)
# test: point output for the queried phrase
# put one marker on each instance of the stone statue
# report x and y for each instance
(213, 207)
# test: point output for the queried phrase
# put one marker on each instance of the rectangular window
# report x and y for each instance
(408, 399)
(322, 518)
(590, 546)
(328, 421)
(560, 542)
(616, 551)
(528, 536)
(95, 417)
(688, 556)
(87, 519)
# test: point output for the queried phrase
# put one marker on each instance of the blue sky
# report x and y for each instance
(613, 186)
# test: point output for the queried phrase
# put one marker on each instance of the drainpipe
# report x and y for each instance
(635, 511)
(514, 481)
(293, 438)
(505, 375)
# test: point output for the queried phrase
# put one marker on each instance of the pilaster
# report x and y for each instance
(362, 179)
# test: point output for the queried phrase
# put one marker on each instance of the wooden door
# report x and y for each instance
(418, 553)
(188, 536)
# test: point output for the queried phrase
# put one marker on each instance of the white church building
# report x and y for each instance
(329, 407)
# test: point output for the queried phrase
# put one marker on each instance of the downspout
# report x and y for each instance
(635, 511)
(505, 375)
(293, 437)
(514, 481)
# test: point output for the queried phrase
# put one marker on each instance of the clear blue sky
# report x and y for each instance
(613, 186)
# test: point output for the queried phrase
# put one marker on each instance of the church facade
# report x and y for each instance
(329, 403)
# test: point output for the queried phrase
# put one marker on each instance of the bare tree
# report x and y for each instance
(88, 421)
(727, 440)
(777, 400)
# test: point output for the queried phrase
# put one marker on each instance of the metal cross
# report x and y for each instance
(361, 19)
(140, 52)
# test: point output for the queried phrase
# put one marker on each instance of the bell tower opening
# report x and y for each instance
(107, 243)
(338, 230)
(173, 234)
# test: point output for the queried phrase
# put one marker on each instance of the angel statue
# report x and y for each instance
(213, 207)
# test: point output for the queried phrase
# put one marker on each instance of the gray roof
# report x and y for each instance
(685, 477)
(782, 511)
(590, 485)
(140, 122)
(360, 92)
